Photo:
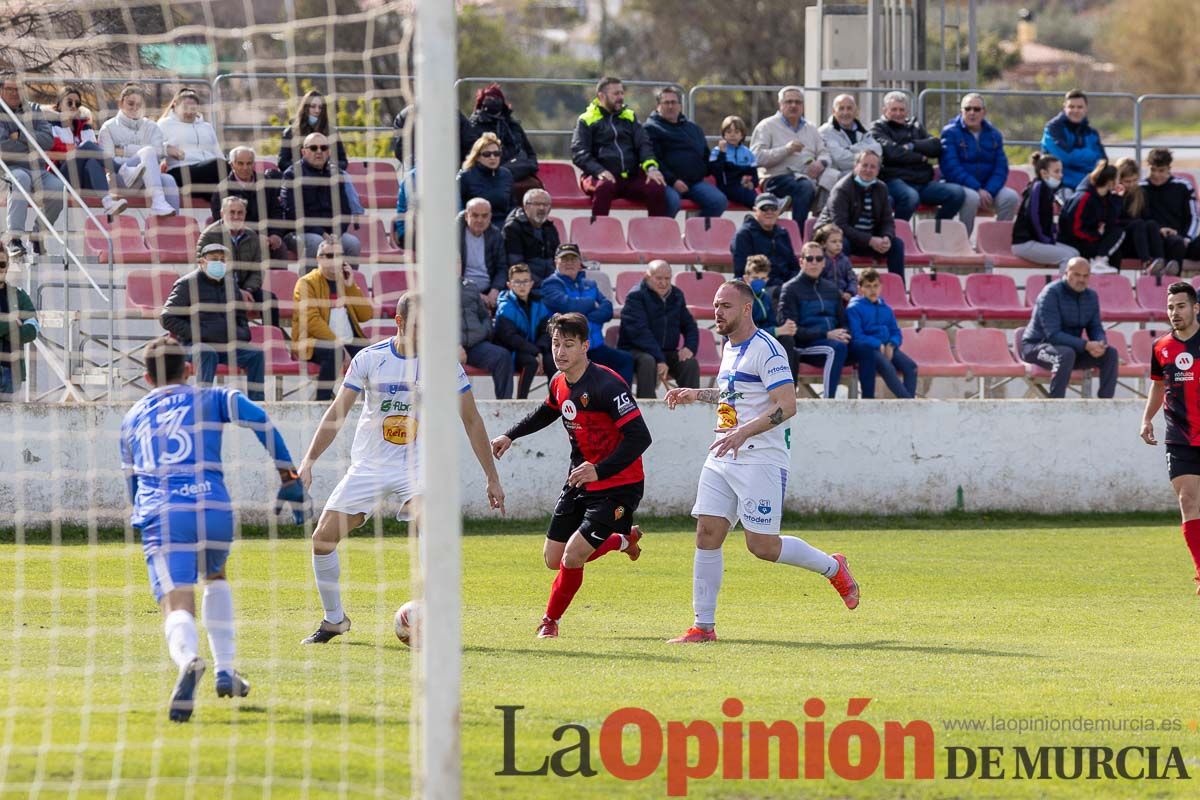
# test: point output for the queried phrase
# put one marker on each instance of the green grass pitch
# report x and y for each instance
(962, 618)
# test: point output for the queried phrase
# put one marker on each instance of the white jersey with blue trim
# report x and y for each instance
(750, 370)
(388, 431)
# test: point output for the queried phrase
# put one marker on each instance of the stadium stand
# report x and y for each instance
(995, 298)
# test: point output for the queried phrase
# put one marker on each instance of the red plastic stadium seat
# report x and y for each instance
(897, 296)
(914, 256)
(383, 185)
(1034, 284)
(1141, 346)
(612, 334)
(793, 230)
(561, 228)
(386, 287)
(277, 352)
(1017, 180)
(994, 239)
(128, 244)
(562, 182)
(173, 239)
(376, 330)
(708, 353)
(361, 281)
(986, 354)
(930, 348)
(602, 239)
(1128, 368)
(948, 242)
(282, 283)
(995, 297)
(1152, 295)
(810, 227)
(939, 295)
(147, 290)
(659, 237)
(709, 238)
(1117, 303)
(698, 289)
(377, 247)
(627, 281)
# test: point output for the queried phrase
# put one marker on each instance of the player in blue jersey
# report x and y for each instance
(171, 456)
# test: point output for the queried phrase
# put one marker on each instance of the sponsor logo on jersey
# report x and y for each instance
(726, 416)
(400, 429)
(583, 399)
(748, 504)
(193, 489)
(731, 396)
(620, 512)
(778, 368)
(1184, 361)
(569, 411)
(395, 405)
(624, 403)
(764, 506)
(392, 388)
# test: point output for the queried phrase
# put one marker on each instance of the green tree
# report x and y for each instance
(1154, 46)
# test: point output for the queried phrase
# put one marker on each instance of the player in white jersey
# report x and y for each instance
(745, 475)
(384, 458)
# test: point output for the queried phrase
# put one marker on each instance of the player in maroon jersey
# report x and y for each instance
(594, 513)
(1175, 372)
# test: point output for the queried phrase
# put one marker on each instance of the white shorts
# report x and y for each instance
(752, 493)
(360, 491)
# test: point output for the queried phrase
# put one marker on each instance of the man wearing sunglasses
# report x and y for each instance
(18, 327)
(308, 198)
(973, 157)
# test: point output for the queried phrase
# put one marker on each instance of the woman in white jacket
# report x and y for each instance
(135, 146)
(194, 156)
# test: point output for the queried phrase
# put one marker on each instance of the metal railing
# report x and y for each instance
(328, 77)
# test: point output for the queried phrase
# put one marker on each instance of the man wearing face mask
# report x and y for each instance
(202, 312)
(493, 114)
(245, 255)
(860, 206)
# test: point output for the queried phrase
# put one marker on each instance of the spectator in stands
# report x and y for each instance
(792, 159)
(530, 237)
(733, 164)
(1172, 204)
(204, 314)
(408, 182)
(261, 195)
(27, 168)
(1143, 240)
(973, 157)
(493, 114)
(18, 327)
(134, 146)
(76, 151)
(521, 319)
(838, 269)
(758, 270)
(307, 198)
(873, 323)
(614, 153)
(482, 175)
(861, 207)
(1072, 140)
(682, 154)
(822, 338)
(761, 235)
(570, 289)
(908, 150)
(245, 255)
(327, 323)
(194, 156)
(475, 342)
(481, 249)
(659, 332)
(845, 137)
(1034, 233)
(312, 116)
(1065, 310)
(1091, 219)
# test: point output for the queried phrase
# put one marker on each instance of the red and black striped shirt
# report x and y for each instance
(1177, 364)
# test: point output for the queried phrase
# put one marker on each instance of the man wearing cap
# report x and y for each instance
(761, 235)
(569, 289)
(861, 207)
(245, 254)
(202, 312)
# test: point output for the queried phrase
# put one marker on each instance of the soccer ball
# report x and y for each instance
(408, 623)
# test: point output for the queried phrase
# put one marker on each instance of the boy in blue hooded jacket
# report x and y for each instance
(873, 322)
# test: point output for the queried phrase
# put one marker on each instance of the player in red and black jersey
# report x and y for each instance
(1175, 371)
(594, 513)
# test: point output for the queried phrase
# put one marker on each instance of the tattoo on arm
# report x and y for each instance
(710, 396)
(776, 416)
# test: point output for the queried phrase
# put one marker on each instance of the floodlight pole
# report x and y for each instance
(435, 65)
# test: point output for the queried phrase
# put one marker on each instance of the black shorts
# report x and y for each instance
(1182, 459)
(596, 515)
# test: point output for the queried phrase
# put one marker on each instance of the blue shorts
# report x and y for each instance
(190, 545)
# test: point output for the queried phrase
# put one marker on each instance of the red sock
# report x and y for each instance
(1191, 535)
(613, 542)
(563, 591)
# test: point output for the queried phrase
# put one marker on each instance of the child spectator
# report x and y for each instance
(758, 270)
(521, 327)
(1034, 234)
(732, 163)
(1172, 204)
(837, 263)
(872, 322)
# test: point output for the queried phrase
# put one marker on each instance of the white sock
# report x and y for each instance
(217, 611)
(180, 628)
(624, 542)
(707, 571)
(328, 572)
(800, 553)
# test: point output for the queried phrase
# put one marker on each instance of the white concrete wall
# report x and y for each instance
(882, 457)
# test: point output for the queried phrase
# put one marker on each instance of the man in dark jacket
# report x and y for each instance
(761, 235)
(859, 204)
(493, 114)
(261, 193)
(682, 154)
(1171, 203)
(203, 313)
(18, 327)
(907, 168)
(530, 237)
(1070, 138)
(245, 254)
(612, 150)
(822, 338)
(475, 343)
(307, 199)
(481, 248)
(654, 319)
(570, 289)
(1054, 338)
